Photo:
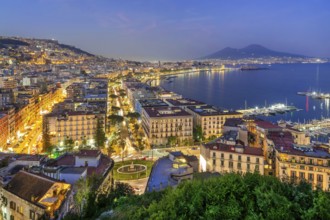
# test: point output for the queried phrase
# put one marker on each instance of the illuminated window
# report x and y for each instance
(20, 209)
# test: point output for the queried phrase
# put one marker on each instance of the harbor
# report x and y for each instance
(315, 95)
(269, 111)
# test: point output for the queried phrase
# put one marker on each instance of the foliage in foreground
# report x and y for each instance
(231, 196)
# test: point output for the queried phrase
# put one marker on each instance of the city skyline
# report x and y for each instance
(162, 30)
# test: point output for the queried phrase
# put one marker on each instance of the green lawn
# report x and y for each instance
(121, 176)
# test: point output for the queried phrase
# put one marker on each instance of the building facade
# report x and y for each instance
(78, 126)
(222, 158)
(211, 119)
(162, 123)
(304, 164)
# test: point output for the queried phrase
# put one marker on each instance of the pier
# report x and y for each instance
(267, 111)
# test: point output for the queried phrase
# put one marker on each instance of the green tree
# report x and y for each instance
(99, 134)
(198, 133)
(230, 196)
(115, 119)
(115, 109)
(122, 94)
(84, 142)
(172, 140)
(46, 143)
(69, 144)
(113, 96)
(86, 195)
(133, 116)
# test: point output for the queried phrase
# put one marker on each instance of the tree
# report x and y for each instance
(69, 143)
(113, 96)
(46, 143)
(84, 142)
(115, 109)
(99, 134)
(172, 140)
(198, 133)
(230, 196)
(115, 119)
(122, 94)
(133, 115)
(86, 193)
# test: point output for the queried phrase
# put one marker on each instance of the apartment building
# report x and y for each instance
(218, 157)
(211, 119)
(78, 126)
(295, 162)
(30, 196)
(164, 122)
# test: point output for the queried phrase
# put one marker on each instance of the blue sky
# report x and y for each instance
(172, 29)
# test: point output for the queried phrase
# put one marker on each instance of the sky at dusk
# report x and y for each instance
(172, 29)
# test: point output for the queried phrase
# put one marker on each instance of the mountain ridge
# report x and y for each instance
(250, 51)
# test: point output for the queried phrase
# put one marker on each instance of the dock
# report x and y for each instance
(269, 111)
(315, 95)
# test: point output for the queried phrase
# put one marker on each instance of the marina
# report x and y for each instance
(269, 111)
(315, 95)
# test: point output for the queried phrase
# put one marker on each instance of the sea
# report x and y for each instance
(279, 83)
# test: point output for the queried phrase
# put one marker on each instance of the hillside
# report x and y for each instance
(6, 42)
(13, 42)
(74, 49)
(230, 196)
(251, 51)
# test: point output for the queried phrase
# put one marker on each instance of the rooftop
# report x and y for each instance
(184, 102)
(69, 159)
(267, 125)
(209, 110)
(73, 170)
(152, 103)
(91, 96)
(29, 187)
(235, 149)
(233, 122)
(165, 112)
(88, 153)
